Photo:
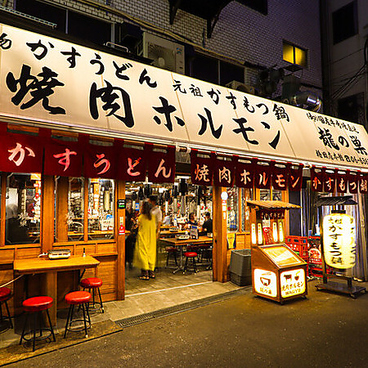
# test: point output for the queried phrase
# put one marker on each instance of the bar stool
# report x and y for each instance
(192, 256)
(93, 283)
(80, 298)
(36, 305)
(171, 251)
(5, 295)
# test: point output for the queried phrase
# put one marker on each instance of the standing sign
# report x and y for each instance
(339, 247)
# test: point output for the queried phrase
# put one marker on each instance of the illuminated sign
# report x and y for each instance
(254, 234)
(40, 77)
(339, 247)
(292, 282)
(281, 232)
(260, 237)
(265, 282)
(274, 232)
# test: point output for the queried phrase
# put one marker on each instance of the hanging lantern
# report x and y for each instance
(339, 248)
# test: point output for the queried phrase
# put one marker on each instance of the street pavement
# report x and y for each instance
(324, 330)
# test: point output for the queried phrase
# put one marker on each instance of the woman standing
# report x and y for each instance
(145, 248)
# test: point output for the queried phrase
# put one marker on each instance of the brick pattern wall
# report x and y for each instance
(240, 33)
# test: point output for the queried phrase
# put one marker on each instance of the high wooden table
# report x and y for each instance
(51, 267)
(180, 243)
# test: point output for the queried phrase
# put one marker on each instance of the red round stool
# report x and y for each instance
(93, 283)
(192, 256)
(80, 298)
(36, 305)
(5, 295)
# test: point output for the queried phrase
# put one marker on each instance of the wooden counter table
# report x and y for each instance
(50, 267)
(180, 243)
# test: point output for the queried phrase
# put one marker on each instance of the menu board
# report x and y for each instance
(282, 256)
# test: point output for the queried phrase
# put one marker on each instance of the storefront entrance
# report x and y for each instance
(184, 208)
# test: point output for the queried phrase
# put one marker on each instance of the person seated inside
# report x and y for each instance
(167, 220)
(192, 220)
(207, 225)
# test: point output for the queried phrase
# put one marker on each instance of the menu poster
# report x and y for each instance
(282, 256)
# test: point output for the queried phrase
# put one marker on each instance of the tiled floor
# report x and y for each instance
(142, 297)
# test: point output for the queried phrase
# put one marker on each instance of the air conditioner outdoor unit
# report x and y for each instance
(241, 87)
(164, 53)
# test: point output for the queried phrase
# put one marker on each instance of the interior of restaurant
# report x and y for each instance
(177, 201)
(75, 196)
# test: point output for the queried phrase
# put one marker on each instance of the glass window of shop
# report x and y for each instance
(23, 208)
(101, 199)
(232, 209)
(245, 195)
(72, 195)
(69, 202)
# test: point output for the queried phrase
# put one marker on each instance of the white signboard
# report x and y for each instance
(292, 282)
(339, 247)
(47, 80)
(265, 282)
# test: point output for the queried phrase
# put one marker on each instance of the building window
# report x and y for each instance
(294, 54)
(351, 108)
(345, 22)
(23, 208)
(79, 25)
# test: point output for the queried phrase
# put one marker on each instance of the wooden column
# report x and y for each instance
(120, 219)
(62, 209)
(219, 237)
(48, 280)
(47, 213)
(3, 209)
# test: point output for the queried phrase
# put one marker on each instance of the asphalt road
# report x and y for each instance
(325, 330)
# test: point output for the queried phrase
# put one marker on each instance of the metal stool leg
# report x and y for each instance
(84, 319)
(67, 320)
(51, 328)
(99, 294)
(24, 329)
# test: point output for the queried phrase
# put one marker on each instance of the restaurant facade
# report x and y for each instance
(78, 125)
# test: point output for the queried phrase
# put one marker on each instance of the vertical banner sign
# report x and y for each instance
(339, 247)
(224, 197)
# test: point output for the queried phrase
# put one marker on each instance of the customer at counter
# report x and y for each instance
(207, 225)
(192, 220)
(145, 247)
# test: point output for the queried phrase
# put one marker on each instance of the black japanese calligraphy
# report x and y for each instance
(215, 132)
(39, 89)
(5, 43)
(111, 96)
(167, 110)
(72, 56)
(146, 78)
